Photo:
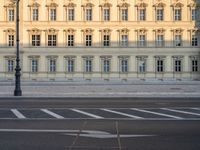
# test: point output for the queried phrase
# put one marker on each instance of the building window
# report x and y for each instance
(34, 65)
(177, 14)
(53, 14)
(106, 40)
(88, 65)
(71, 14)
(11, 40)
(11, 14)
(70, 65)
(178, 40)
(142, 40)
(52, 40)
(10, 65)
(142, 66)
(106, 14)
(194, 65)
(142, 14)
(124, 40)
(52, 65)
(194, 14)
(159, 65)
(35, 40)
(70, 40)
(194, 41)
(177, 65)
(88, 40)
(106, 65)
(124, 65)
(35, 14)
(160, 40)
(88, 14)
(124, 14)
(159, 14)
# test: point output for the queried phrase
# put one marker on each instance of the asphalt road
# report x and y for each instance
(95, 124)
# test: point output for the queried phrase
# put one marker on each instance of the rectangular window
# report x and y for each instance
(35, 14)
(194, 40)
(52, 40)
(70, 40)
(70, 65)
(142, 66)
(52, 65)
(160, 40)
(124, 66)
(142, 40)
(106, 40)
(142, 14)
(11, 14)
(124, 40)
(177, 14)
(194, 14)
(34, 65)
(89, 14)
(178, 40)
(106, 14)
(88, 65)
(11, 40)
(88, 40)
(35, 40)
(124, 14)
(53, 14)
(106, 66)
(195, 66)
(159, 65)
(71, 14)
(159, 14)
(10, 66)
(177, 65)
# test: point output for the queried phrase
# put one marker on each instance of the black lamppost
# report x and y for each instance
(18, 91)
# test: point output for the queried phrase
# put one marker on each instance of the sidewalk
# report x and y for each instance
(100, 89)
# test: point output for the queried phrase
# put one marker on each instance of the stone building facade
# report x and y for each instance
(101, 39)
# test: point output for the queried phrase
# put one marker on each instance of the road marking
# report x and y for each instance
(87, 114)
(109, 136)
(196, 108)
(52, 114)
(123, 114)
(180, 111)
(18, 114)
(156, 113)
(84, 133)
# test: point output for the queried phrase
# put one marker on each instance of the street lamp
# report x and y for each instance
(18, 91)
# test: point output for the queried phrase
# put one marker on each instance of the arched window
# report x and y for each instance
(34, 11)
(105, 11)
(88, 11)
(123, 11)
(70, 11)
(159, 11)
(52, 11)
(141, 11)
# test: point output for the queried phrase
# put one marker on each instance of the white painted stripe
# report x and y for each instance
(123, 114)
(87, 114)
(180, 111)
(196, 108)
(18, 114)
(52, 114)
(156, 113)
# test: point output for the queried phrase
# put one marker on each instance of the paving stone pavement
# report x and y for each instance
(140, 89)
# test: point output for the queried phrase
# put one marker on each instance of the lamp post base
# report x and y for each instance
(17, 93)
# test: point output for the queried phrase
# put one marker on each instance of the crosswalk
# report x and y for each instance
(102, 113)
